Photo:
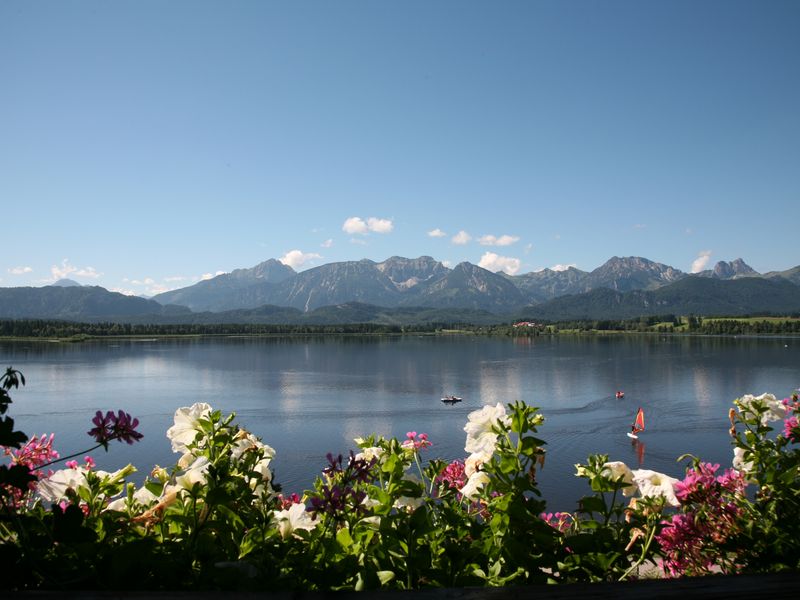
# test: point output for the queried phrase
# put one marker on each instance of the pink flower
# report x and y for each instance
(560, 521)
(286, 501)
(416, 441)
(453, 475)
(790, 426)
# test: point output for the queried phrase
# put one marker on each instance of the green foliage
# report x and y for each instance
(383, 518)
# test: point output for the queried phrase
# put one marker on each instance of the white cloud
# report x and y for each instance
(503, 240)
(296, 258)
(206, 276)
(327, 243)
(380, 225)
(436, 233)
(461, 238)
(20, 270)
(358, 241)
(495, 263)
(528, 248)
(357, 225)
(145, 281)
(557, 236)
(123, 291)
(66, 270)
(562, 267)
(701, 261)
(447, 263)
(354, 225)
(175, 278)
(158, 289)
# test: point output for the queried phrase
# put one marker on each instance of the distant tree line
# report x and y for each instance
(44, 328)
(744, 327)
(664, 323)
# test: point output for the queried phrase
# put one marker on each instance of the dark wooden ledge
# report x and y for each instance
(728, 588)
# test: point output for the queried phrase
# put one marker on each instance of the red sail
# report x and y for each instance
(639, 423)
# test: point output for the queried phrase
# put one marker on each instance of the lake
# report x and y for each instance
(307, 396)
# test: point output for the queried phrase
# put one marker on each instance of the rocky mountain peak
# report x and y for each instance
(733, 269)
(406, 273)
(271, 271)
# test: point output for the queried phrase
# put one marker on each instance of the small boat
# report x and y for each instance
(637, 426)
(620, 394)
(451, 399)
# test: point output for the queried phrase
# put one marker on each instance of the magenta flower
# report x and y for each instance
(559, 521)
(287, 501)
(690, 541)
(416, 441)
(453, 475)
(120, 426)
(36, 453)
(790, 429)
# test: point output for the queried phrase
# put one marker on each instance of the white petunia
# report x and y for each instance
(739, 462)
(54, 488)
(775, 410)
(293, 518)
(480, 426)
(187, 425)
(196, 473)
(264, 482)
(474, 462)
(652, 483)
(474, 484)
(370, 453)
(247, 442)
(616, 469)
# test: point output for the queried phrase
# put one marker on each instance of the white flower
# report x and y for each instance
(143, 496)
(294, 518)
(739, 463)
(187, 425)
(196, 473)
(54, 488)
(264, 481)
(474, 484)
(480, 424)
(752, 404)
(474, 461)
(409, 503)
(616, 469)
(370, 453)
(247, 442)
(652, 483)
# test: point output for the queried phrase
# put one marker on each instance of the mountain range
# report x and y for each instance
(400, 290)
(425, 282)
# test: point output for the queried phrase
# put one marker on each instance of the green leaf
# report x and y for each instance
(18, 476)
(385, 576)
(344, 538)
(591, 504)
(9, 437)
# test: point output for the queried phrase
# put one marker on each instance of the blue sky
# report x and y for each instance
(144, 145)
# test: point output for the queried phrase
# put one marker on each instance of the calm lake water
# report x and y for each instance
(309, 396)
